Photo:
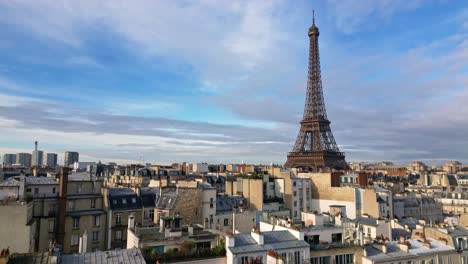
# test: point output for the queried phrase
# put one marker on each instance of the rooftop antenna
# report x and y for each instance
(313, 17)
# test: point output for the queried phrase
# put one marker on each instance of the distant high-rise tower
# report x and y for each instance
(23, 159)
(315, 147)
(9, 159)
(51, 160)
(70, 158)
(37, 156)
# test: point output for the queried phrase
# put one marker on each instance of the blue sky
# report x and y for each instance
(224, 81)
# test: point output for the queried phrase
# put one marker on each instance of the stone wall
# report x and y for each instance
(370, 204)
(188, 205)
(17, 230)
(253, 192)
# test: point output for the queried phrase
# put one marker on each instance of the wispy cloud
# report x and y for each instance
(355, 15)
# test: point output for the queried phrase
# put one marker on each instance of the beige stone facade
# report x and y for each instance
(18, 230)
(84, 214)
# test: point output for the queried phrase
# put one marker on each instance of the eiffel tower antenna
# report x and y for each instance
(315, 147)
(313, 17)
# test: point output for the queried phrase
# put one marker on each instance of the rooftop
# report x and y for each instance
(123, 199)
(393, 252)
(10, 182)
(118, 256)
(31, 258)
(154, 234)
(149, 196)
(454, 231)
(225, 203)
(274, 240)
(41, 181)
(80, 176)
(418, 248)
(369, 221)
(166, 201)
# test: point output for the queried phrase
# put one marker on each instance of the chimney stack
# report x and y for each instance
(62, 204)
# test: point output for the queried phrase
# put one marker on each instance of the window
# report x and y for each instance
(53, 190)
(78, 188)
(36, 190)
(97, 220)
(336, 238)
(294, 193)
(226, 222)
(75, 239)
(93, 203)
(294, 183)
(313, 240)
(28, 190)
(76, 222)
(134, 200)
(52, 209)
(51, 225)
(246, 260)
(71, 205)
(114, 202)
(211, 203)
(297, 257)
(95, 235)
(464, 259)
(344, 259)
(124, 200)
(460, 243)
(118, 235)
(118, 219)
(320, 260)
(151, 214)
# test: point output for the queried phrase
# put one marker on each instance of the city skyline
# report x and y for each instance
(145, 81)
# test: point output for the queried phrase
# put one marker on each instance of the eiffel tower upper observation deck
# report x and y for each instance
(315, 147)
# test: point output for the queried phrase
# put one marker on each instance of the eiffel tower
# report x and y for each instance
(315, 148)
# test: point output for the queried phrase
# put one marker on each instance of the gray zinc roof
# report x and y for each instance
(10, 182)
(166, 201)
(275, 240)
(226, 203)
(118, 256)
(40, 181)
(369, 221)
(393, 252)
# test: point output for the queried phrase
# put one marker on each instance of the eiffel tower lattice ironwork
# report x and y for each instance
(315, 147)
